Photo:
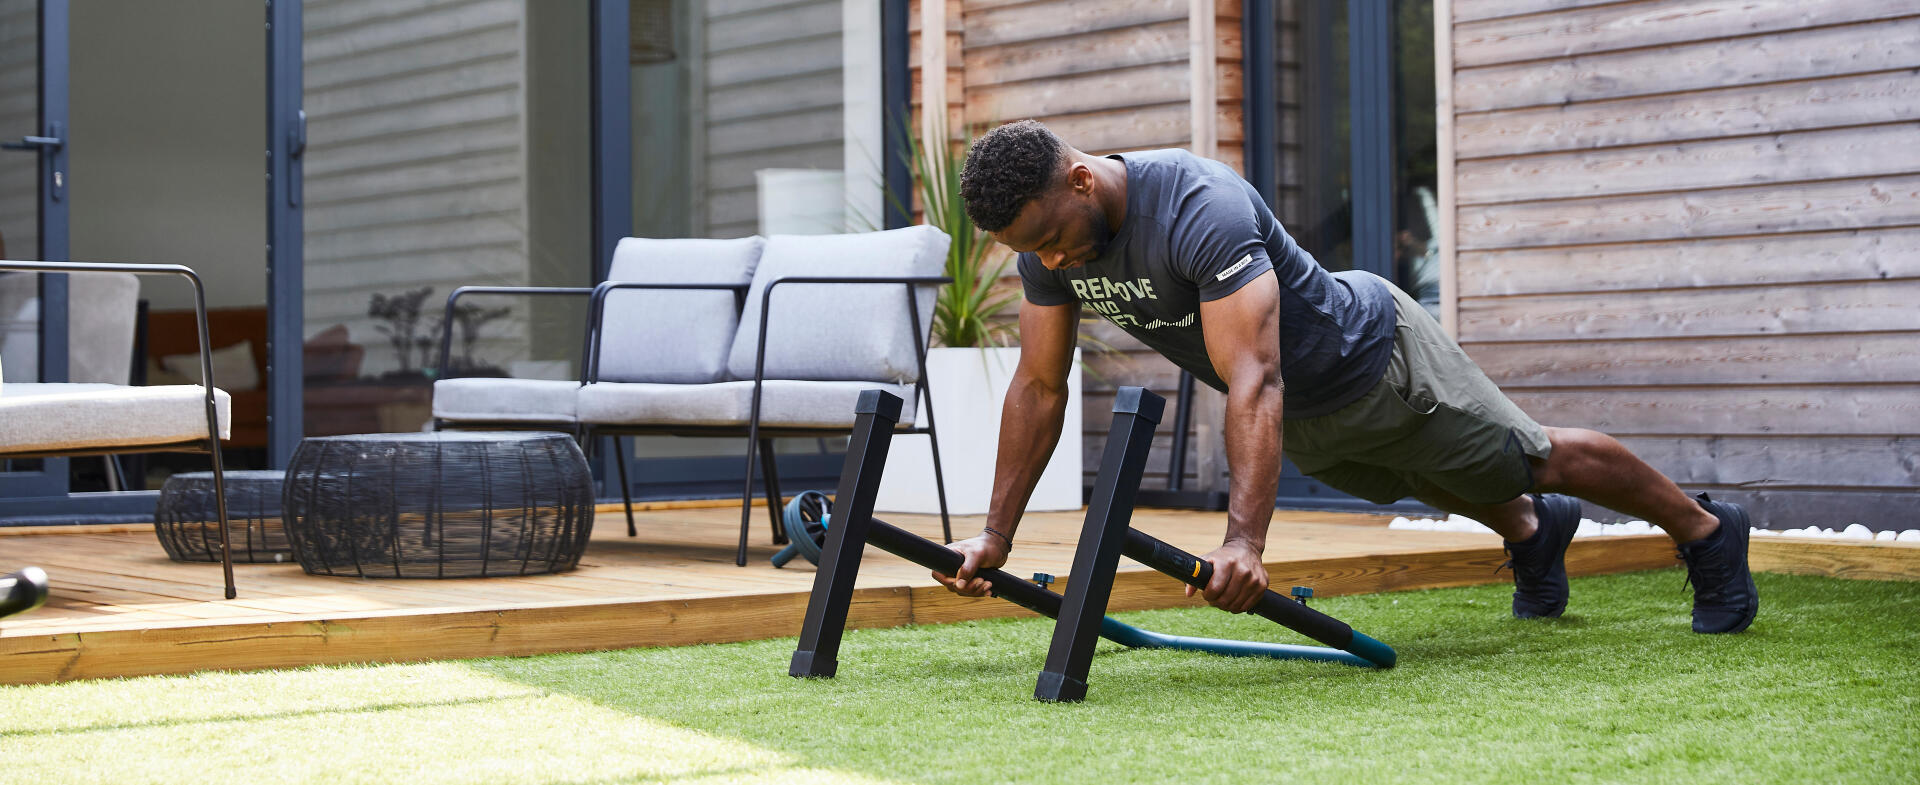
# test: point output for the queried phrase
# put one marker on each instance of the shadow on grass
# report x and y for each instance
(356, 709)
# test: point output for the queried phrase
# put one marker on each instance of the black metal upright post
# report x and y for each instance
(818, 654)
(1136, 412)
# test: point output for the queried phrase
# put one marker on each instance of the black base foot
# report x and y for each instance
(1057, 688)
(806, 667)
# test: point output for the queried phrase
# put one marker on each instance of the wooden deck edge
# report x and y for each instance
(52, 656)
(1877, 561)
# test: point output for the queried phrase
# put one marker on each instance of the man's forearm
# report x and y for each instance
(1029, 429)
(1253, 460)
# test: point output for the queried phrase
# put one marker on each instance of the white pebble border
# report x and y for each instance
(1592, 528)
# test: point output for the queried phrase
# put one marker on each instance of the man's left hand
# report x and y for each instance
(1239, 579)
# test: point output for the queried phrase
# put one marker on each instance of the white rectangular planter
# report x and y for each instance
(969, 386)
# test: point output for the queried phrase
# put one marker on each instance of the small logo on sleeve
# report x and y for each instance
(1237, 267)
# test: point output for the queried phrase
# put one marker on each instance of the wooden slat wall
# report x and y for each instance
(1695, 224)
(19, 115)
(1107, 77)
(773, 95)
(415, 165)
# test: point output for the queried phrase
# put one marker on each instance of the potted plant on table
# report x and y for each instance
(971, 364)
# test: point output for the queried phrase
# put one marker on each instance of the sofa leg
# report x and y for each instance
(746, 494)
(770, 470)
(626, 490)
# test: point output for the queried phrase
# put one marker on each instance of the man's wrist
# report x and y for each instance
(993, 532)
(1246, 542)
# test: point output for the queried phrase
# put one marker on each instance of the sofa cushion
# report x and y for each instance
(785, 403)
(840, 332)
(673, 336)
(52, 417)
(505, 400)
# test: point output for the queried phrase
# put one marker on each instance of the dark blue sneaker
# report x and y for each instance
(1539, 562)
(1724, 597)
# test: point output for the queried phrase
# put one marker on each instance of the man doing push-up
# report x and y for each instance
(1348, 374)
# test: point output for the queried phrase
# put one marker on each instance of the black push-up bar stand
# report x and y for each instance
(1081, 614)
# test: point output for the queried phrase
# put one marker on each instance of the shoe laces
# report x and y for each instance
(1707, 571)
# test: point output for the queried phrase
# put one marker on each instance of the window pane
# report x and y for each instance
(1416, 244)
(448, 145)
(1315, 172)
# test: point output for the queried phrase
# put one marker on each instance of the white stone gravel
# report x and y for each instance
(1592, 528)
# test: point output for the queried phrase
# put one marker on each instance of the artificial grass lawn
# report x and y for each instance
(1822, 689)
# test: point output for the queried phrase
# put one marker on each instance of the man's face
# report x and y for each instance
(1063, 226)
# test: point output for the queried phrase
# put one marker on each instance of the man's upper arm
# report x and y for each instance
(1242, 332)
(1047, 337)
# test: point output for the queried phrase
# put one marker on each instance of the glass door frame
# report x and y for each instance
(44, 492)
(1370, 48)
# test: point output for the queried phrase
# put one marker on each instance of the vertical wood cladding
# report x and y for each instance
(1695, 224)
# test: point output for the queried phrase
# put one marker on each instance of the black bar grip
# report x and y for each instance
(1195, 572)
(934, 556)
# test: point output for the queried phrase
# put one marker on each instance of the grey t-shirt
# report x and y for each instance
(1196, 232)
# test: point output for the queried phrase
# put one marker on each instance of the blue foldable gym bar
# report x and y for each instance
(1080, 616)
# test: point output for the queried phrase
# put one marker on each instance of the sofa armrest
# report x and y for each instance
(600, 300)
(446, 319)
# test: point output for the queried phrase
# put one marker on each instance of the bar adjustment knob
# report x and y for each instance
(1302, 593)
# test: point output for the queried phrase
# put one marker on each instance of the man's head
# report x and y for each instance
(1033, 193)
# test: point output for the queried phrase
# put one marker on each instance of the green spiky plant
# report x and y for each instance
(963, 313)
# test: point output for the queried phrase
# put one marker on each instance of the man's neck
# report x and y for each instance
(1112, 175)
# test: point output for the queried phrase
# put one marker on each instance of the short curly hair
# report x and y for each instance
(1007, 168)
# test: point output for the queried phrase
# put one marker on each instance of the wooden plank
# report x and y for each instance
(1778, 158)
(1034, 21)
(1723, 212)
(1778, 57)
(1126, 47)
(320, 48)
(1879, 509)
(1858, 561)
(1754, 462)
(1102, 90)
(1446, 161)
(1639, 25)
(1476, 10)
(1886, 97)
(1733, 411)
(501, 71)
(775, 97)
(765, 26)
(1126, 129)
(1852, 255)
(1892, 304)
(447, 51)
(817, 126)
(1840, 358)
(773, 61)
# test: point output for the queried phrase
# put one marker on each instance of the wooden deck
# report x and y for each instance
(121, 608)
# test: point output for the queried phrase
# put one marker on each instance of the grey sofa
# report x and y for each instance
(757, 337)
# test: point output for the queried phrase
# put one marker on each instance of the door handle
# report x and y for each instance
(33, 142)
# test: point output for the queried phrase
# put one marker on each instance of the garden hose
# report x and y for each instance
(805, 519)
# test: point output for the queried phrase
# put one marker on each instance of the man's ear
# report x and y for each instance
(1080, 177)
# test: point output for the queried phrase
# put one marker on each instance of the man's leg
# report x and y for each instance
(1598, 468)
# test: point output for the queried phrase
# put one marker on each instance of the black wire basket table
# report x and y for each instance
(451, 504)
(188, 524)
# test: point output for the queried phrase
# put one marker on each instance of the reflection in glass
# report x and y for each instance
(448, 145)
(1416, 244)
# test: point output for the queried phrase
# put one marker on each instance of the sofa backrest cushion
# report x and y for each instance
(673, 336)
(841, 332)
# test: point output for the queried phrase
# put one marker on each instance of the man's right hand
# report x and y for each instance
(981, 552)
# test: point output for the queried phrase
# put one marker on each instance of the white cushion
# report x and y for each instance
(841, 332)
(674, 336)
(505, 400)
(52, 417)
(784, 403)
(233, 368)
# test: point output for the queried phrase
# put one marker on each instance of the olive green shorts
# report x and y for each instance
(1434, 420)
